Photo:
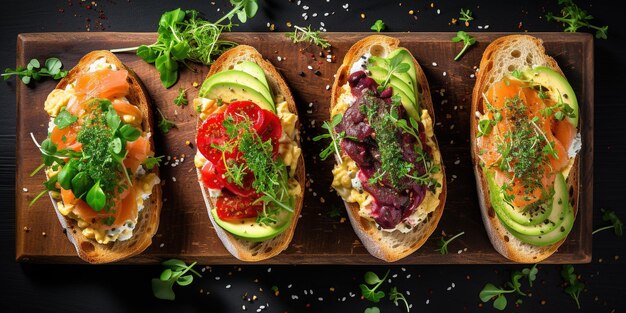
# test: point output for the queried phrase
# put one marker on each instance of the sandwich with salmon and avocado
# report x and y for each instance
(249, 162)
(525, 140)
(389, 170)
(99, 160)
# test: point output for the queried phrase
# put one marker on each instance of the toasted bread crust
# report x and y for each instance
(366, 230)
(239, 248)
(148, 220)
(501, 239)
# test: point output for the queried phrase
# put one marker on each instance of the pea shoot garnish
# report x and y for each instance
(181, 99)
(184, 36)
(574, 286)
(443, 244)
(466, 16)
(378, 26)
(491, 292)
(370, 291)
(302, 34)
(34, 70)
(616, 223)
(575, 17)
(164, 124)
(467, 42)
(174, 272)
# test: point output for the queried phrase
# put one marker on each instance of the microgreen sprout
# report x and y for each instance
(174, 273)
(467, 42)
(302, 34)
(378, 26)
(443, 244)
(34, 70)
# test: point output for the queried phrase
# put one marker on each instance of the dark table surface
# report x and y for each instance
(114, 288)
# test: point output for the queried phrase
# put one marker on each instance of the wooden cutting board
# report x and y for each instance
(320, 238)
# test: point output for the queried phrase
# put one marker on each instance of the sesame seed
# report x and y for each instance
(217, 278)
(227, 286)
(427, 301)
(25, 189)
(269, 269)
(243, 307)
(320, 299)
(434, 63)
(438, 11)
(161, 245)
(327, 87)
(310, 67)
(449, 288)
(173, 178)
(444, 73)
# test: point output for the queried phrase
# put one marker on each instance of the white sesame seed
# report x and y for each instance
(486, 26)
(217, 278)
(434, 63)
(294, 297)
(472, 76)
(460, 251)
(453, 285)
(351, 294)
(408, 293)
(449, 288)
(427, 301)
(403, 269)
(268, 25)
(314, 14)
(289, 286)
(310, 67)
(408, 276)
(306, 292)
(322, 24)
(343, 299)
(320, 299)
(457, 162)
(345, 6)
(444, 73)
(327, 87)
(227, 286)
(269, 269)
(174, 179)
(326, 14)
(243, 307)
(438, 11)
(480, 27)
(311, 291)
(394, 275)
(25, 189)
(305, 7)
(279, 58)
(262, 307)
(161, 245)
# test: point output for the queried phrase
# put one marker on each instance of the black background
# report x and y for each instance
(55, 288)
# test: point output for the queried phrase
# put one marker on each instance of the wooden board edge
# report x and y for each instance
(587, 160)
(19, 197)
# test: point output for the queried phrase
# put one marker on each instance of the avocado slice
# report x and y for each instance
(552, 237)
(528, 217)
(553, 221)
(254, 70)
(249, 229)
(379, 74)
(238, 78)
(558, 88)
(230, 92)
(408, 59)
(382, 64)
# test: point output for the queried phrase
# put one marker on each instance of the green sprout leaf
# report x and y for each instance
(378, 26)
(174, 272)
(467, 42)
(443, 244)
(573, 17)
(301, 34)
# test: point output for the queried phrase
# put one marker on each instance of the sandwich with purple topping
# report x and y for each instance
(389, 170)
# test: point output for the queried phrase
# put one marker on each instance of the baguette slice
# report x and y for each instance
(502, 56)
(242, 249)
(148, 219)
(388, 246)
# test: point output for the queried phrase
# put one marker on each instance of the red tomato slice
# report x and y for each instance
(244, 191)
(210, 177)
(246, 110)
(232, 207)
(211, 132)
(271, 130)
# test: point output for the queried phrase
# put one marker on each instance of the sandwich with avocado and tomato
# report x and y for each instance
(99, 160)
(389, 170)
(249, 162)
(525, 141)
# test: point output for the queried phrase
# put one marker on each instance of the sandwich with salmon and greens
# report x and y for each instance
(99, 160)
(249, 162)
(389, 170)
(525, 141)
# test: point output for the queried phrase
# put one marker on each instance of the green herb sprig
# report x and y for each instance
(181, 99)
(373, 294)
(467, 42)
(164, 124)
(335, 139)
(174, 272)
(574, 286)
(184, 36)
(466, 16)
(575, 17)
(302, 34)
(443, 244)
(34, 70)
(490, 291)
(378, 26)
(396, 296)
(616, 223)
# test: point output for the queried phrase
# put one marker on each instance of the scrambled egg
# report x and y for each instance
(206, 107)
(344, 174)
(57, 100)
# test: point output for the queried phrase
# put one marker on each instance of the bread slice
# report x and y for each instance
(388, 246)
(243, 249)
(148, 219)
(502, 56)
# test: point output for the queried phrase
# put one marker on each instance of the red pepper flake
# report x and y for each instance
(308, 305)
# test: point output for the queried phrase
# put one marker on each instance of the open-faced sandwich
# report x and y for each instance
(525, 140)
(99, 160)
(389, 170)
(249, 163)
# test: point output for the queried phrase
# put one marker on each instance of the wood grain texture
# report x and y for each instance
(185, 230)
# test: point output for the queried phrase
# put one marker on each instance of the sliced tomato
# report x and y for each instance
(246, 110)
(246, 190)
(271, 130)
(210, 177)
(211, 132)
(232, 207)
